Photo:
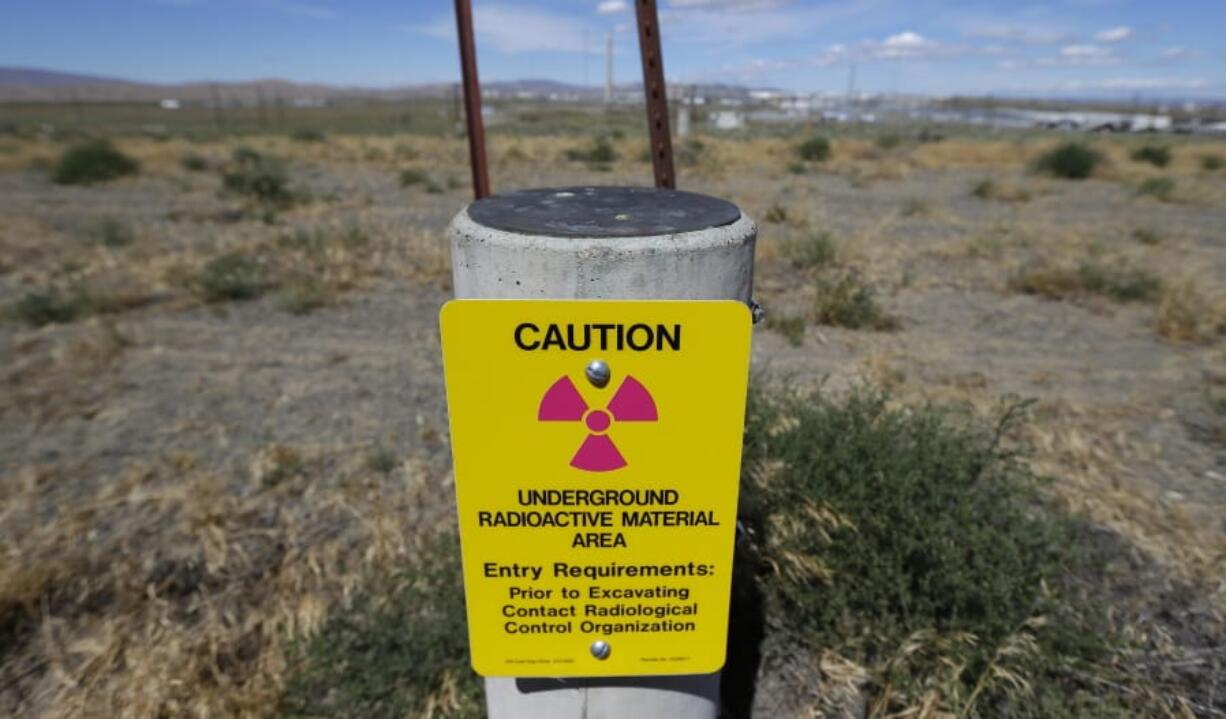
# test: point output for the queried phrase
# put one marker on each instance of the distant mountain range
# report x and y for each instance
(20, 84)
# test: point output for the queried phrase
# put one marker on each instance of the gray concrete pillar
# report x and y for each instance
(603, 243)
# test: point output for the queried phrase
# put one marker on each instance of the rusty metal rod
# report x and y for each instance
(655, 90)
(472, 99)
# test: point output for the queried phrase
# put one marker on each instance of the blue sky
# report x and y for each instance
(1081, 47)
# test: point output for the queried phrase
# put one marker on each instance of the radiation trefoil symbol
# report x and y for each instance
(631, 403)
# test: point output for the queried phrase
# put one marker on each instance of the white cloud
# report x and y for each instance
(1082, 55)
(517, 29)
(906, 39)
(1119, 33)
(1082, 52)
(1179, 52)
(1018, 33)
(904, 46)
(611, 7)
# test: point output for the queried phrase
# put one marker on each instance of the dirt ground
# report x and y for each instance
(178, 446)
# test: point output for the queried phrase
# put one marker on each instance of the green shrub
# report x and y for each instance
(1159, 188)
(232, 276)
(1146, 236)
(845, 301)
(990, 189)
(797, 168)
(411, 177)
(916, 207)
(985, 189)
(314, 242)
(1069, 161)
(193, 162)
(47, 306)
(891, 520)
(689, 152)
(1156, 155)
(1122, 283)
(775, 214)
(889, 142)
(307, 135)
(399, 649)
(810, 251)
(602, 152)
(910, 541)
(792, 327)
(243, 155)
(1211, 163)
(58, 305)
(815, 149)
(599, 152)
(259, 178)
(92, 161)
(304, 294)
(405, 151)
(380, 459)
(113, 233)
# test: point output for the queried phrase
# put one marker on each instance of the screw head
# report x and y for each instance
(758, 311)
(598, 372)
(601, 649)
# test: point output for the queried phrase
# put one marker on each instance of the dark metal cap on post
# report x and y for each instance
(603, 212)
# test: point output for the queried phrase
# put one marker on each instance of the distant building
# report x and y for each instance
(1150, 123)
(170, 103)
(728, 119)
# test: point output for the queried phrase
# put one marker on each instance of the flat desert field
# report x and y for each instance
(222, 418)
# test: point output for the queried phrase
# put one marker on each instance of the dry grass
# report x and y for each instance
(172, 591)
(973, 154)
(1001, 191)
(1186, 314)
(163, 587)
(1098, 463)
(52, 377)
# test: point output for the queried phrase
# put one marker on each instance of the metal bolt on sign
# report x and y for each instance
(599, 244)
(597, 372)
(601, 649)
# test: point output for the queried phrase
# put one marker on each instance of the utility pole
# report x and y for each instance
(259, 101)
(608, 68)
(851, 86)
(472, 99)
(219, 114)
(657, 93)
(280, 107)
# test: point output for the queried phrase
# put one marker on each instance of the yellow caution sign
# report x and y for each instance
(597, 451)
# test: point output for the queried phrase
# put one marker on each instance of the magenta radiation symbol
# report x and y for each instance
(631, 403)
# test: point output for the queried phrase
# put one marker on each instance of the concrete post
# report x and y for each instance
(603, 243)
